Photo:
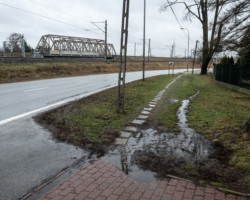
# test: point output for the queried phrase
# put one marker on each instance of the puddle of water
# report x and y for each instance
(172, 100)
(149, 154)
(122, 159)
(194, 147)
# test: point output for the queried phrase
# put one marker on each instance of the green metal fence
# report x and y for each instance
(237, 74)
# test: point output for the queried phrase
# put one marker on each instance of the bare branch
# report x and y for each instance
(188, 7)
(214, 24)
(190, 11)
(230, 19)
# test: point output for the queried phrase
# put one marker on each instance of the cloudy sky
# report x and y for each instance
(73, 17)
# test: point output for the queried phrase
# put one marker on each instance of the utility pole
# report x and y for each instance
(144, 35)
(106, 39)
(149, 48)
(135, 50)
(188, 46)
(173, 50)
(4, 48)
(105, 31)
(195, 55)
(171, 63)
(123, 56)
(23, 46)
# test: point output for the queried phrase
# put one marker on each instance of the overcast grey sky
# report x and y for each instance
(162, 28)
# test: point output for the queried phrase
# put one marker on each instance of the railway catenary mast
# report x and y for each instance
(58, 45)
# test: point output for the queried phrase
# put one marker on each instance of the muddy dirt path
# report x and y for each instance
(153, 154)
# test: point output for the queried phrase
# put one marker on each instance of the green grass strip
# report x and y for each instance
(95, 120)
(217, 113)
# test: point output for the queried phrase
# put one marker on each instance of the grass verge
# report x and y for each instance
(166, 111)
(217, 113)
(94, 120)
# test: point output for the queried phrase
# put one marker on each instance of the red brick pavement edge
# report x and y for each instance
(102, 181)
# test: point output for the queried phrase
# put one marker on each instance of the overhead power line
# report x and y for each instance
(60, 11)
(178, 21)
(37, 14)
(175, 15)
(70, 15)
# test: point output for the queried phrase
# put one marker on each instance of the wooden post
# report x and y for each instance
(194, 56)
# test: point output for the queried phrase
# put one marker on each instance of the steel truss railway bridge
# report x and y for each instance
(58, 45)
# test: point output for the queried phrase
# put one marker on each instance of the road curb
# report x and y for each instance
(44, 185)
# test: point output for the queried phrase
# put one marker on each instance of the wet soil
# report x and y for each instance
(152, 154)
(51, 120)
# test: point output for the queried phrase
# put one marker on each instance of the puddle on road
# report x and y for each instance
(151, 155)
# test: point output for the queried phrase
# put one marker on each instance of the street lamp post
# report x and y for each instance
(188, 46)
(144, 33)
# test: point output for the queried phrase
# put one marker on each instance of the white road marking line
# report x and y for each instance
(5, 121)
(36, 89)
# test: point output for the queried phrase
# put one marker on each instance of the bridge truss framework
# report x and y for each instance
(58, 45)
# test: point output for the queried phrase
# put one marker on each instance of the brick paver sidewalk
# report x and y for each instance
(101, 180)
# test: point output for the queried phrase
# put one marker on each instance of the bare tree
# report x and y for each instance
(221, 20)
(14, 42)
(240, 44)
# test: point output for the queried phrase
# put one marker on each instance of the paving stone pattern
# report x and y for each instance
(141, 119)
(125, 134)
(131, 128)
(138, 122)
(102, 181)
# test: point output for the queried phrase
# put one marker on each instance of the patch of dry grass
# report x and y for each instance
(13, 72)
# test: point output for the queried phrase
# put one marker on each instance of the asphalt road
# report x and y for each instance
(28, 153)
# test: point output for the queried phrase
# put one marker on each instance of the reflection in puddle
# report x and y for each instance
(150, 154)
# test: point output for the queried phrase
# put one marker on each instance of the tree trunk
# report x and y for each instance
(205, 48)
(204, 67)
(205, 62)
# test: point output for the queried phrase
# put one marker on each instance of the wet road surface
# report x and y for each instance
(28, 154)
(18, 99)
